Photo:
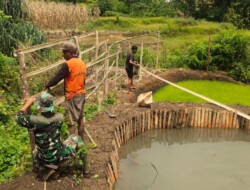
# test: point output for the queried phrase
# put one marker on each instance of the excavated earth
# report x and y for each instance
(102, 127)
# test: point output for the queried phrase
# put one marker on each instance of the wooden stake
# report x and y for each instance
(164, 119)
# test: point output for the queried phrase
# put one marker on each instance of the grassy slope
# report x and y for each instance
(175, 32)
(227, 93)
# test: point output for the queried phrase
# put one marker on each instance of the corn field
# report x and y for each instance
(51, 15)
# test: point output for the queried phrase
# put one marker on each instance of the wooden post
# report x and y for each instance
(169, 119)
(158, 49)
(141, 56)
(106, 80)
(99, 101)
(164, 119)
(156, 119)
(78, 46)
(96, 44)
(210, 118)
(149, 119)
(116, 66)
(25, 86)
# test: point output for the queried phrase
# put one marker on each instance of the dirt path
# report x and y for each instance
(102, 127)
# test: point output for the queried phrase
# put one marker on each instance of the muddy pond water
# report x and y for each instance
(186, 159)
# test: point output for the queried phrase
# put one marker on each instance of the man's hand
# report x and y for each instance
(27, 103)
(136, 63)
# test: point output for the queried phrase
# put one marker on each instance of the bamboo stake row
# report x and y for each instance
(167, 119)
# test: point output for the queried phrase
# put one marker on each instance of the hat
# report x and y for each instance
(45, 103)
(70, 46)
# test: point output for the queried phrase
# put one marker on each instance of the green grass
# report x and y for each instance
(223, 92)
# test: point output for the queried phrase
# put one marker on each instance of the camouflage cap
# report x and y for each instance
(70, 46)
(45, 103)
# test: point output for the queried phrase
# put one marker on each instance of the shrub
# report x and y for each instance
(197, 56)
(14, 32)
(227, 48)
(241, 71)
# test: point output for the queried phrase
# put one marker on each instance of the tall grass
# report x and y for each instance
(51, 15)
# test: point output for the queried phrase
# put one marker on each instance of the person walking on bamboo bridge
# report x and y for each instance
(73, 71)
(129, 67)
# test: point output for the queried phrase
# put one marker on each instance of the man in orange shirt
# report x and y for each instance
(73, 71)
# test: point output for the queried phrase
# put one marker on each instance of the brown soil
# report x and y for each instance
(102, 127)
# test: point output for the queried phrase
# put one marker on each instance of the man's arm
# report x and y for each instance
(135, 63)
(22, 118)
(61, 74)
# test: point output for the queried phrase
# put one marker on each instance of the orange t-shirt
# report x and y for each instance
(75, 81)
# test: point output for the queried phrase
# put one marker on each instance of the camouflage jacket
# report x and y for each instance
(47, 131)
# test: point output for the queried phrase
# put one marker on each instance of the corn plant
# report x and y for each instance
(51, 15)
(14, 32)
(15, 8)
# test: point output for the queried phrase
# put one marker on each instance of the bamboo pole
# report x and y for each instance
(202, 117)
(141, 57)
(78, 46)
(96, 44)
(25, 86)
(198, 95)
(114, 166)
(156, 119)
(230, 119)
(206, 118)
(111, 174)
(161, 119)
(210, 118)
(47, 45)
(164, 119)
(149, 120)
(195, 117)
(117, 140)
(217, 122)
(169, 119)
(116, 66)
(106, 79)
(199, 117)
(158, 48)
(143, 121)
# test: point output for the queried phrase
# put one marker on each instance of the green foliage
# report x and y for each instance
(111, 5)
(110, 100)
(227, 53)
(147, 8)
(239, 14)
(90, 111)
(15, 156)
(175, 60)
(140, 8)
(9, 74)
(109, 23)
(111, 13)
(227, 48)
(149, 57)
(14, 32)
(241, 71)
(197, 56)
(14, 8)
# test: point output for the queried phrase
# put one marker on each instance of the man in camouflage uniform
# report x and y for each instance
(50, 151)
